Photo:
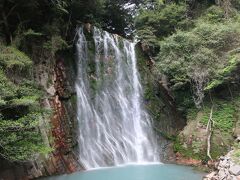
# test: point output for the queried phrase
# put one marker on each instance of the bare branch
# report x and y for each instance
(11, 10)
(209, 132)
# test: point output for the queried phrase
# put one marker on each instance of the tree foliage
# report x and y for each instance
(158, 21)
(197, 56)
(192, 42)
(60, 17)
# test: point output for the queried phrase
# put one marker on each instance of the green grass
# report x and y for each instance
(194, 152)
(11, 58)
(223, 115)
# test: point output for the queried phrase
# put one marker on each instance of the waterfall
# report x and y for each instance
(114, 128)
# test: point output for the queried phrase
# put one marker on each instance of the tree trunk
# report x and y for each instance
(6, 28)
(226, 5)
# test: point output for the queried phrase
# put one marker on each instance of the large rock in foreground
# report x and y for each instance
(228, 168)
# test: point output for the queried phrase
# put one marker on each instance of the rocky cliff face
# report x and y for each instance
(160, 103)
(55, 74)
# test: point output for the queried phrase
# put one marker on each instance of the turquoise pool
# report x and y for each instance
(136, 172)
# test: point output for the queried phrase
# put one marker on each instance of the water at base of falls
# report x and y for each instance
(114, 128)
(136, 172)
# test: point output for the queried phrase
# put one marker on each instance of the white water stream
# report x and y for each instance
(114, 128)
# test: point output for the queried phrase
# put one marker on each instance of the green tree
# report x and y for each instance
(158, 21)
(194, 58)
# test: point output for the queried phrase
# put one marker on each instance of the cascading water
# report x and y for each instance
(114, 128)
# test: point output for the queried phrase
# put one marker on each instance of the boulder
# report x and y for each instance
(234, 177)
(222, 174)
(210, 176)
(224, 163)
(235, 170)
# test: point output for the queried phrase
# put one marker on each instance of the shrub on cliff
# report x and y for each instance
(197, 56)
(20, 111)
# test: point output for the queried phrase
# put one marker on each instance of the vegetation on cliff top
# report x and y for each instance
(199, 50)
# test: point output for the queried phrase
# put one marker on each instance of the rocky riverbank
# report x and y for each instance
(228, 167)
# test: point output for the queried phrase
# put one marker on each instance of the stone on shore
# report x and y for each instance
(235, 170)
